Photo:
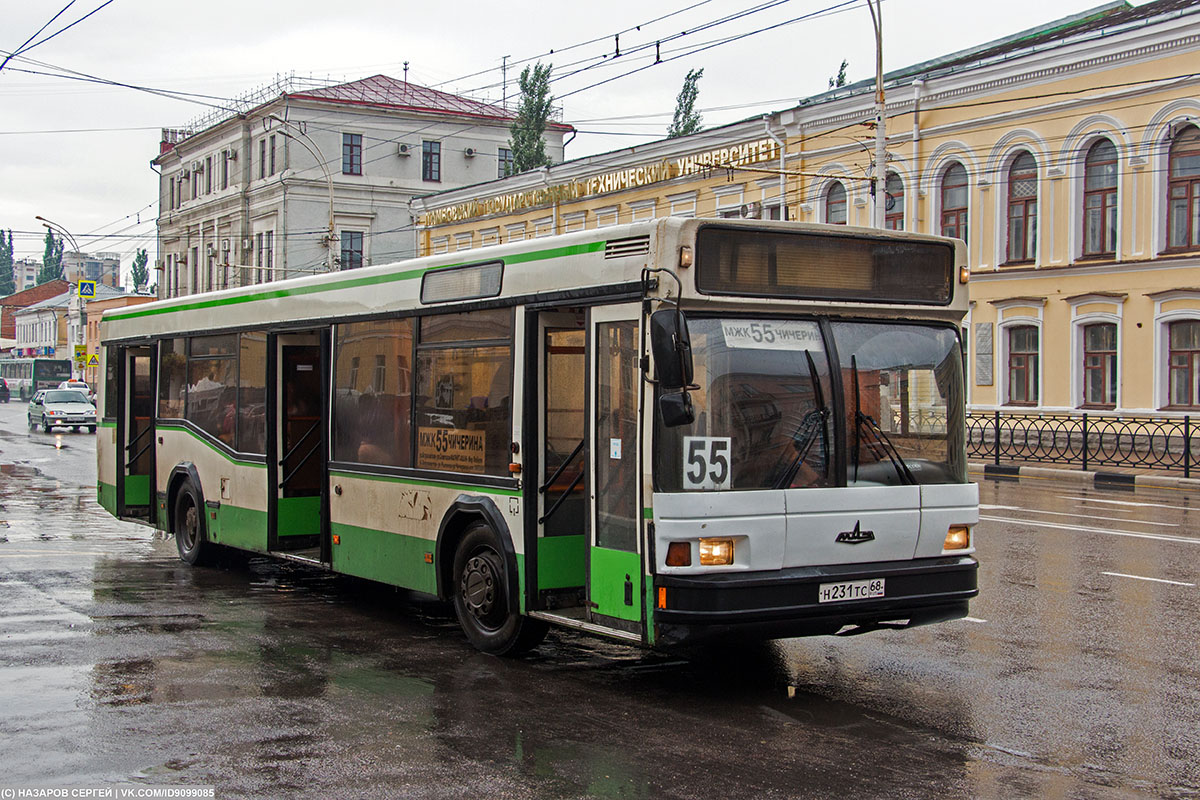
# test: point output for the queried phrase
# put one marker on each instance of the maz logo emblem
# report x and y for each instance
(856, 536)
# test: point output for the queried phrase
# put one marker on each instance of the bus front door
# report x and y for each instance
(298, 517)
(135, 432)
(614, 580)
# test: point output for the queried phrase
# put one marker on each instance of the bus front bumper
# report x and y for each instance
(783, 604)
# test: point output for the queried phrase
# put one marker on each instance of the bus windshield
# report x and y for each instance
(766, 410)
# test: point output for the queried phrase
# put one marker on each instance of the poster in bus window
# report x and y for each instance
(451, 449)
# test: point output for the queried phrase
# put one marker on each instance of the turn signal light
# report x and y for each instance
(964, 274)
(716, 552)
(958, 538)
(685, 256)
(679, 554)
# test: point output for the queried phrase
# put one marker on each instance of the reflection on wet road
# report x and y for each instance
(1075, 677)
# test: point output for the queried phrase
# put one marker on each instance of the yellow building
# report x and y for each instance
(1068, 157)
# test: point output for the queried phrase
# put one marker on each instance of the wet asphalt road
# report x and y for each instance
(1076, 675)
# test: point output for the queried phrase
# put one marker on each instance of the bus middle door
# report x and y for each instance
(135, 430)
(615, 583)
(299, 524)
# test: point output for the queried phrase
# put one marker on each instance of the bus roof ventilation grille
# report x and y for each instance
(621, 248)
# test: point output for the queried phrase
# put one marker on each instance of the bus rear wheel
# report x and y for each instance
(189, 525)
(481, 597)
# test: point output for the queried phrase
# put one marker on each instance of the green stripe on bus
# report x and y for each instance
(353, 283)
(435, 484)
(647, 513)
(211, 446)
(392, 558)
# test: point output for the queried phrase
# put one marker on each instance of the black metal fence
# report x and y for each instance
(1086, 441)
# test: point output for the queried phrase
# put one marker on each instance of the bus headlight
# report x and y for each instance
(716, 552)
(957, 538)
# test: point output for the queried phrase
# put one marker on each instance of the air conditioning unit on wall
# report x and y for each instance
(402, 149)
(469, 152)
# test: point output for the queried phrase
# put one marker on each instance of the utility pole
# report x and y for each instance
(504, 81)
(879, 187)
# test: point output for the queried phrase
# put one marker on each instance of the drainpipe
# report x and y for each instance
(160, 269)
(782, 166)
(918, 87)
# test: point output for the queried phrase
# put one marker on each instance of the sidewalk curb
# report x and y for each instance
(1099, 480)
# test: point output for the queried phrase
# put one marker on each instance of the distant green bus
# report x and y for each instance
(663, 432)
(26, 375)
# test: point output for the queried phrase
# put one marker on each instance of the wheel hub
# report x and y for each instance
(479, 587)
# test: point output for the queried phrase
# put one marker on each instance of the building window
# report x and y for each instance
(893, 218)
(1022, 209)
(1100, 365)
(171, 193)
(352, 154)
(954, 202)
(835, 203)
(225, 169)
(1184, 363)
(463, 241)
(258, 258)
(271, 156)
(1100, 200)
(270, 245)
(1023, 365)
(1183, 190)
(515, 233)
(431, 161)
(208, 175)
(262, 159)
(504, 166)
(352, 249)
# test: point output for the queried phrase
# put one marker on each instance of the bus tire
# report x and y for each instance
(481, 597)
(190, 538)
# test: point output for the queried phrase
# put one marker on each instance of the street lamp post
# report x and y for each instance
(292, 131)
(78, 338)
(879, 210)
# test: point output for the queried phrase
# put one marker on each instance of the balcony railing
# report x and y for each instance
(1083, 440)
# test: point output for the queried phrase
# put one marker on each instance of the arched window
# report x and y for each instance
(1100, 200)
(835, 204)
(1184, 363)
(1100, 365)
(1022, 209)
(1183, 190)
(1023, 365)
(954, 202)
(894, 203)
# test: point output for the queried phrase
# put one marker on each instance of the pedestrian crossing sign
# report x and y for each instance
(87, 289)
(93, 360)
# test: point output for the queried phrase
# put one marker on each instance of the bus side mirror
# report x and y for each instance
(676, 409)
(672, 348)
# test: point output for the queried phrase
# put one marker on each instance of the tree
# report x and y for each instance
(528, 129)
(52, 268)
(687, 119)
(7, 283)
(839, 80)
(139, 274)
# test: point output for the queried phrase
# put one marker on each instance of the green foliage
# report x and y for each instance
(7, 283)
(839, 80)
(140, 274)
(533, 112)
(52, 268)
(687, 119)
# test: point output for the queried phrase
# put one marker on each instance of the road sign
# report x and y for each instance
(80, 355)
(93, 360)
(87, 289)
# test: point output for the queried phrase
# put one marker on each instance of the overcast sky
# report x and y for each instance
(79, 153)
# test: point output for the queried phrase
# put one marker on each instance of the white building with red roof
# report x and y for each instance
(305, 178)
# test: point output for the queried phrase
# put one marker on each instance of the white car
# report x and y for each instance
(62, 408)
(76, 384)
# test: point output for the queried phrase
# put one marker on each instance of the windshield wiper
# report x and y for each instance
(810, 425)
(878, 440)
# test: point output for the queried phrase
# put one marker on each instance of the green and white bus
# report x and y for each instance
(25, 376)
(666, 432)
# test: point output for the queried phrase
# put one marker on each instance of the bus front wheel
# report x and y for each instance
(481, 597)
(189, 525)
